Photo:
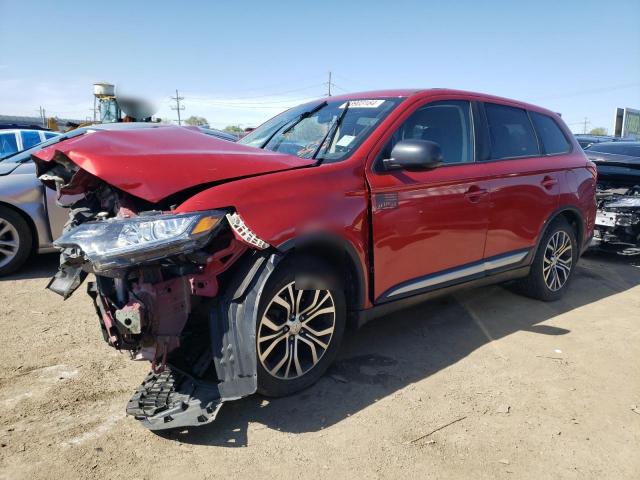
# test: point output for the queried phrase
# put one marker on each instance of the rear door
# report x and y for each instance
(524, 183)
(429, 227)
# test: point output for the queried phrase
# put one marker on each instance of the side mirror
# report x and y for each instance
(414, 155)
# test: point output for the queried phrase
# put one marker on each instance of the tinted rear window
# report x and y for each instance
(511, 132)
(553, 140)
(617, 148)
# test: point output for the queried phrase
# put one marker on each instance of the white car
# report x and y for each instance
(16, 140)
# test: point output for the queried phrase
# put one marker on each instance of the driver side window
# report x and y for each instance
(447, 123)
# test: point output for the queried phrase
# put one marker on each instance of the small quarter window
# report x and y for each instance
(553, 140)
(511, 132)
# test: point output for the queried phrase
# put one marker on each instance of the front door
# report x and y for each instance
(429, 227)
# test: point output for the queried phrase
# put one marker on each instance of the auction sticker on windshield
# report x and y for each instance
(363, 103)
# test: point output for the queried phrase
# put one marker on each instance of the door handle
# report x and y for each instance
(548, 182)
(475, 193)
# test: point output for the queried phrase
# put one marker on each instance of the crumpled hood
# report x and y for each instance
(154, 163)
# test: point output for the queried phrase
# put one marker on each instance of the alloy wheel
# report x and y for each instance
(295, 331)
(557, 260)
(9, 242)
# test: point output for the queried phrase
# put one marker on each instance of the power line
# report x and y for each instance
(178, 107)
(351, 82)
(341, 88)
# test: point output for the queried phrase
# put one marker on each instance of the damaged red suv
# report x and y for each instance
(235, 267)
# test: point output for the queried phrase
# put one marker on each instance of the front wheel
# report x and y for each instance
(298, 331)
(553, 264)
(15, 241)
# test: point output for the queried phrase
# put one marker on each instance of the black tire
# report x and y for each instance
(269, 384)
(535, 285)
(13, 229)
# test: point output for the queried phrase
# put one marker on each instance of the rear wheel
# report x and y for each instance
(15, 241)
(298, 331)
(553, 264)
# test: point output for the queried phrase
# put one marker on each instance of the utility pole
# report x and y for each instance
(178, 107)
(586, 120)
(43, 117)
(329, 85)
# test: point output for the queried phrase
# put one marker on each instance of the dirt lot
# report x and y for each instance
(533, 390)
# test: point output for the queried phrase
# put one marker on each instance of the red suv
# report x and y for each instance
(235, 267)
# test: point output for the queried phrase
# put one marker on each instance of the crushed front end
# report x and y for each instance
(178, 290)
(617, 225)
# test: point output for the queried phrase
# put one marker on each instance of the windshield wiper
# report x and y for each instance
(331, 133)
(289, 125)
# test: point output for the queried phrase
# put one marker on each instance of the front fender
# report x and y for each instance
(283, 206)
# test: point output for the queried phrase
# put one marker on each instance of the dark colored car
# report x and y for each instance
(586, 140)
(618, 219)
(218, 134)
(235, 267)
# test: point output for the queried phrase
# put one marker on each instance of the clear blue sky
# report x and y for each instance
(241, 62)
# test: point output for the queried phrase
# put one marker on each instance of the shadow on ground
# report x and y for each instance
(408, 346)
(38, 266)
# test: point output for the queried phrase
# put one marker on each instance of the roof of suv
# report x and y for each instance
(409, 92)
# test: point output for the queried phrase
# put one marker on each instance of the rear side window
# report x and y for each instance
(30, 138)
(8, 144)
(511, 132)
(553, 140)
(49, 135)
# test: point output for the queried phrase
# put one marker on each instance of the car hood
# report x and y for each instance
(155, 163)
(612, 159)
(620, 171)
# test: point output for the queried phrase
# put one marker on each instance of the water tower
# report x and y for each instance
(104, 102)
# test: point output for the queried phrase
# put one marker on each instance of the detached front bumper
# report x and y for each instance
(174, 399)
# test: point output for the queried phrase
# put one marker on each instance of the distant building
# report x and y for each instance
(626, 123)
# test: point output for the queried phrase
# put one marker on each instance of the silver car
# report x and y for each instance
(30, 218)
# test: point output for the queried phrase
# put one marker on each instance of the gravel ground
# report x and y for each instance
(483, 384)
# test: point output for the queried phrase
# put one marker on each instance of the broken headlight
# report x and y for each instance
(119, 242)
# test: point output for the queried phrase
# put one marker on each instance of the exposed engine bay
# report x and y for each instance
(617, 225)
(158, 293)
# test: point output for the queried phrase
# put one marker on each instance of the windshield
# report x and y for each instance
(324, 133)
(617, 148)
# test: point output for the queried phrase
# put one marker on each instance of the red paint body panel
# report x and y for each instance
(282, 206)
(434, 227)
(520, 204)
(153, 163)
